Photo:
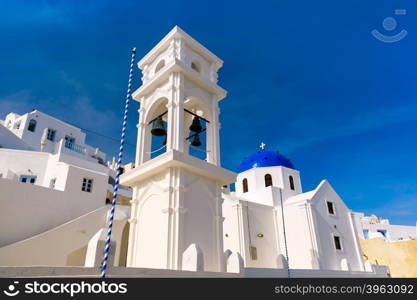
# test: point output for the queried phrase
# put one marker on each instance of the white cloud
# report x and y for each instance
(77, 110)
(403, 208)
(359, 124)
(19, 102)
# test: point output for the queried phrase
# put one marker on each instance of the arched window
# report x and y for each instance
(268, 180)
(159, 66)
(245, 185)
(32, 125)
(121, 170)
(292, 183)
(195, 66)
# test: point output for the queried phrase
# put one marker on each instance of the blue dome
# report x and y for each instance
(264, 159)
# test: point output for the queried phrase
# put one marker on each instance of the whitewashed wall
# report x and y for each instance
(45, 166)
(299, 238)
(167, 220)
(10, 140)
(24, 162)
(29, 209)
(52, 247)
(46, 121)
(393, 232)
(9, 272)
(256, 183)
(311, 230)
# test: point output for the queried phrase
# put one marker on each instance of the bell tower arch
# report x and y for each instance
(182, 72)
(179, 193)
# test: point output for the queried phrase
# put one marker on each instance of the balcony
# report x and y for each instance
(75, 147)
(67, 150)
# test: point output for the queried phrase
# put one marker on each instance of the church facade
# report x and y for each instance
(184, 216)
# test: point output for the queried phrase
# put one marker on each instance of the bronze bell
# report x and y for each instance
(196, 125)
(158, 129)
(196, 141)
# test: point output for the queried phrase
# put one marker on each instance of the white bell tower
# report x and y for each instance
(176, 196)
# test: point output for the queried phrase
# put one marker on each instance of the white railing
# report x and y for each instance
(75, 147)
(70, 148)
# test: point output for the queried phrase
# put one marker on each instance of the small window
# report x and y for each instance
(51, 135)
(87, 185)
(159, 66)
(52, 183)
(337, 242)
(121, 170)
(195, 66)
(366, 233)
(32, 125)
(291, 183)
(253, 253)
(28, 179)
(245, 185)
(383, 232)
(69, 142)
(330, 208)
(17, 125)
(111, 180)
(268, 180)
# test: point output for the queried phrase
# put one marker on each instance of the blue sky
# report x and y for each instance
(305, 77)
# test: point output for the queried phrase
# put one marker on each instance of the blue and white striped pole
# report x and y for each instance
(119, 162)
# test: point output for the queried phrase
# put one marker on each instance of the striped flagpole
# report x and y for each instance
(119, 162)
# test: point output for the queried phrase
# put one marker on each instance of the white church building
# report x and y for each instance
(269, 219)
(184, 221)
